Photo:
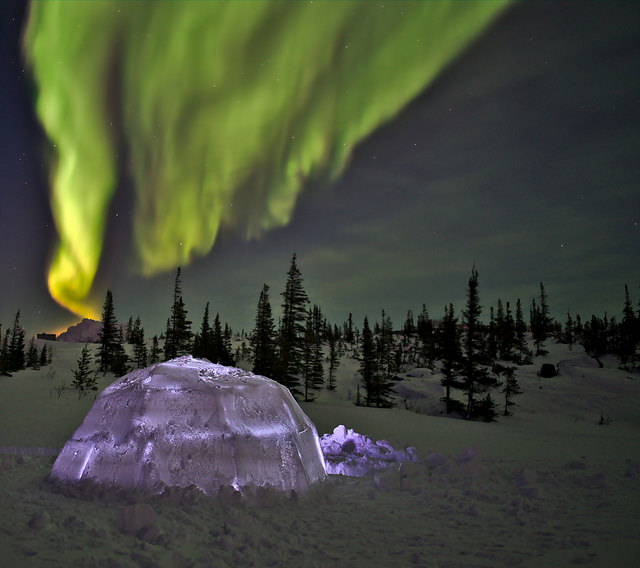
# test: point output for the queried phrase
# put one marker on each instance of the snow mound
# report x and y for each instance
(348, 453)
(190, 422)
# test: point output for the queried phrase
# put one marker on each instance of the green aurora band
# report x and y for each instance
(218, 112)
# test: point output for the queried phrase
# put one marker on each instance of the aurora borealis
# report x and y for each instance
(220, 112)
(518, 151)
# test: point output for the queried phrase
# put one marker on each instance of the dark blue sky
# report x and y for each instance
(523, 158)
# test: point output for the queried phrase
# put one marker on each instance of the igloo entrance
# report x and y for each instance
(190, 422)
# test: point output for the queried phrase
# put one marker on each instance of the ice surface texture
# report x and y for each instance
(353, 454)
(190, 422)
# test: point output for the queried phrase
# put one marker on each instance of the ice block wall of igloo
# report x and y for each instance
(190, 422)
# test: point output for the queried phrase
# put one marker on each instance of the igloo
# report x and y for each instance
(190, 422)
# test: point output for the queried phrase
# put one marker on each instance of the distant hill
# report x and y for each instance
(83, 332)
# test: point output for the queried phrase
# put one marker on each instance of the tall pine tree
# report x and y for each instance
(107, 336)
(292, 329)
(178, 333)
(476, 377)
(263, 338)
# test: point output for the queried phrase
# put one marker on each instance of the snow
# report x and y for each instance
(349, 453)
(190, 422)
(547, 486)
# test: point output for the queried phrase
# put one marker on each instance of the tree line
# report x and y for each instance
(14, 356)
(478, 360)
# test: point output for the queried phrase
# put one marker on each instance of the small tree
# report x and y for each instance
(510, 387)
(334, 360)
(84, 380)
(16, 346)
(33, 357)
(451, 356)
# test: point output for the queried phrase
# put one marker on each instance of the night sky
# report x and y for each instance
(522, 157)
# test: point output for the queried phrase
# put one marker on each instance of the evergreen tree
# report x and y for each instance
(451, 355)
(312, 372)
(83, 379)
(5, 361)
(203, 341)
(33, 357)
(120, 359)
(523, 353)
(568, 337)
(178, 334)
(16, 346)
(226, 357)
(334, 359)
(508, 337)
(510, 388)
(107, 336)
(541, 323)
(475, 376)
(45, 358)
(594, 338)
(154, 355)
(140, 352)
(129, 333)
(629, 334)
(292, 328)
(348, 331)
(368, 364)
(424, 329)
(263, 338)
(409, 327)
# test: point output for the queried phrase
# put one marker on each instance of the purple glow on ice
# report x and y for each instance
(348, 453)
(190, 422)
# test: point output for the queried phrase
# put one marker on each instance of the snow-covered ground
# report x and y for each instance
(548, 486)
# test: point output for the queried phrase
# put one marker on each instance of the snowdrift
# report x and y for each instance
(190, 422)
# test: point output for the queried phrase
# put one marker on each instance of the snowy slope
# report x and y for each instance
(548, 486)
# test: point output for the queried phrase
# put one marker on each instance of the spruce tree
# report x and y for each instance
(140, 352)
(541, 322)
(569, 331)
(368, 364)
(475, 376)
(292, 328)
(16, 346)
(425, 332)
(83, 379)
(312, 372)
(334, 359)
(409, 327)
(629, 334)
(510, 387)
(523, 352)
(5, 361)
(203, 341)
(227, 357)
(45, 356)
(107, 336)
(178, 334)
(154, 355)
(33, 357)
(120, 359)
(263, 338)
(451, 356)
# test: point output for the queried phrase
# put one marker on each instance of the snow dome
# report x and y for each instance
(190, 422)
